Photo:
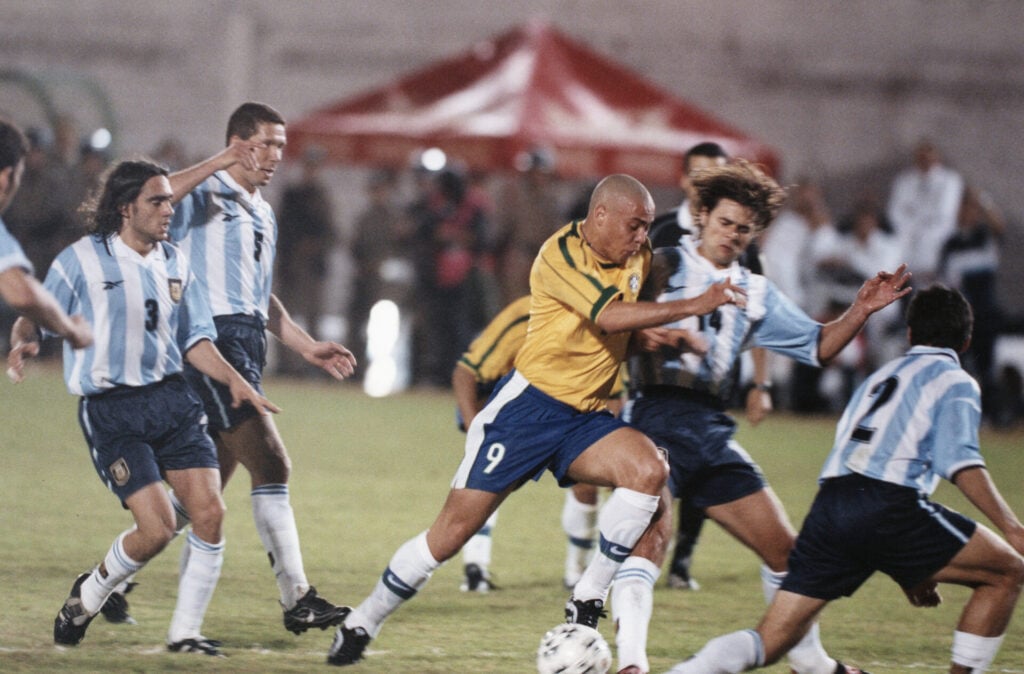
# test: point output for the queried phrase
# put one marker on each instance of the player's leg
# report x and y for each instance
(689, 524)
(628, 461)
(463, 513)
(257, 445)
(476, 558)
(787, 619)
(199, 492)
(632, 594)
(579, 522)
(759, 521)
(990, 566)
(154, 528)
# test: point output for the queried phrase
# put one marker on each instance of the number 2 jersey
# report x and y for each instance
(912, 422)
(146, 312)
(770, 320)
(230, 237)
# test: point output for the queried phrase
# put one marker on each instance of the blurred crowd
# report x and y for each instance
(452, 247)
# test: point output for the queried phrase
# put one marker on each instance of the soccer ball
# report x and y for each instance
(573, 649)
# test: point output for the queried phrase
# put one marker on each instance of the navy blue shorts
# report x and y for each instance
(242, 340)
(858, 525)
(522, 432)
(136, 434)
(707, 466)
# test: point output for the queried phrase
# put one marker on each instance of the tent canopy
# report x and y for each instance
(529, 88)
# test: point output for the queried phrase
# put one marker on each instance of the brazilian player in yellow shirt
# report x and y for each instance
(549, 412)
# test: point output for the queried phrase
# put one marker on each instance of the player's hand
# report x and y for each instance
(332, 358)
(243, 153)
(759, 404)
(242, 393)
(81, 334)
(884, 288)
(20, 353)
(924, 594)
(721, 293)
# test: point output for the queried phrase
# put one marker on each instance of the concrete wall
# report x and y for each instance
(842, 89)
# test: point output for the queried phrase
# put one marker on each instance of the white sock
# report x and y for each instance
(477, 549)
(409, 570)
(808, 656)
(117, 566)
(195, 588)
(623, 519)
(727, 654)
(970, 650)
(579, 522)
(632, 603)
(275, 523)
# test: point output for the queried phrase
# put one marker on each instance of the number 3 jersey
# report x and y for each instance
(770, 320)
(145, 312)
(912, 422)
(230, 237)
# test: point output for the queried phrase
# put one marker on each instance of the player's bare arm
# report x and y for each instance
(207, 359)
(27, 297)
(877, 293)
(977, 485)
(331, 357)
(623, 316)
(238, 151)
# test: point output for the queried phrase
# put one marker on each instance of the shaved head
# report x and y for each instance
(616, 186)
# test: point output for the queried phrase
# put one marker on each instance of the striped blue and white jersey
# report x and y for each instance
(770, 320)
(11, 254)
(912, 422)
(230, 237)
(145, 312)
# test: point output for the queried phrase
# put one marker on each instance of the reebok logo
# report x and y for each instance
(110, 285)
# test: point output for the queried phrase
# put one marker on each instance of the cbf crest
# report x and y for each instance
(174, 289)
(634, 283)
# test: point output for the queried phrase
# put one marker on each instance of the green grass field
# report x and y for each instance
(369, 474)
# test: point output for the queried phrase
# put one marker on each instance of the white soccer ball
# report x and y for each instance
(573, 649)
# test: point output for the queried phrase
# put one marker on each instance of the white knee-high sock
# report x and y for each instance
(622, 520)
(579, 522)
(409, 570)
(632, 604)
(275, 523)
(116, 567)
(971, 650)
(727, 654)
(477, 549)
(195, 588)
(808, 656)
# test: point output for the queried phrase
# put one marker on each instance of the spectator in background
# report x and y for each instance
(380, 234)
(305, 236)
(969, 262)
(922, 208)
(171, 153)
(526, 216)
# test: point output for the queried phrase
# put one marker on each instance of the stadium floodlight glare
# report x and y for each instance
(100, 139)
(433, 159)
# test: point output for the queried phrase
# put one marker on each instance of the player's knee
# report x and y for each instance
(652, 474)
(208, 515)
(1014, 573)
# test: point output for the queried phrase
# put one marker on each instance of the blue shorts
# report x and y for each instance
(858, 525)
(522, 432)
(137, 434)
(707, 466)
(242, 340)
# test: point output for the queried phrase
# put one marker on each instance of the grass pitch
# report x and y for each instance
(367, 475)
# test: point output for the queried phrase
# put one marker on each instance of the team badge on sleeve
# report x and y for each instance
(174, 288)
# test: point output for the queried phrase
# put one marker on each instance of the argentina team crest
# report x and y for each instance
(634, 283)
(174, 288)
(119, 472)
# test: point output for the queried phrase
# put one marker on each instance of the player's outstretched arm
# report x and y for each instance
(207, 359)
(878, 292)
(624, 316)
(977, 485)
(331, 357)
(238, 151)
(28, 297)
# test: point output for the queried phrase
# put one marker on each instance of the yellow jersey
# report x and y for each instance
(565, 354)
(491, 355)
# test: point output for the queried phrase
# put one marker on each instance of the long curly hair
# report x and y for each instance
(120, 186)
(742, 182)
